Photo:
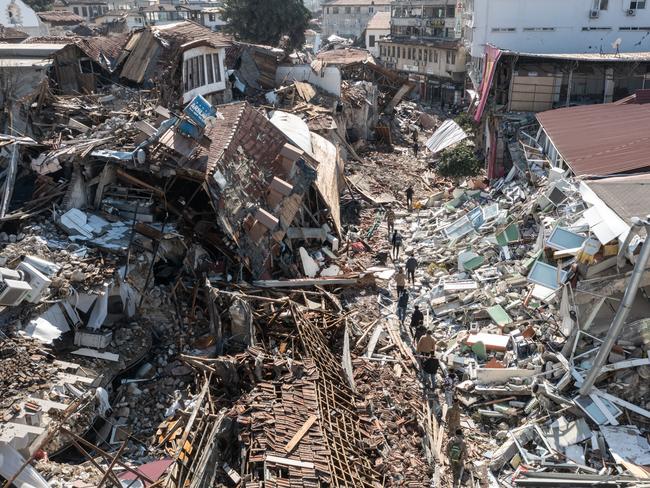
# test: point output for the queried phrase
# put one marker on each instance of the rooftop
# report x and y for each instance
(343, 56)
(357, 3)
(188, 31)
(595, 57)
(60, 16)
(11, 33)
(628, 196)
(600, 139)
(381, 20)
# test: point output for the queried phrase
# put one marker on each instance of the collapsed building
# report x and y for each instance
(198, 293)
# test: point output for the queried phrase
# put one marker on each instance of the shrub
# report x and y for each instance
(459, 161)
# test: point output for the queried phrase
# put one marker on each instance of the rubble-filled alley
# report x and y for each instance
(275, 286)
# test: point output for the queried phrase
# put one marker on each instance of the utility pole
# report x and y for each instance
(623, 309)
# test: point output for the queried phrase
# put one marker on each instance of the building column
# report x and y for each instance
(609, 85)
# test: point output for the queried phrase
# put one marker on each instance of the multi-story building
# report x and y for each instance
(425, 43)
(349, 18)
(88, 9)
(378, 28)
(555, 27)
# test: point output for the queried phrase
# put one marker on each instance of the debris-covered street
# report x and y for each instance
(226, 264)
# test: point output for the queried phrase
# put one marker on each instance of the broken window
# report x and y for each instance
(86, 65)
(85, 11)
(638, 4)
(451, 11)
(561, 239)
(75, 10)
(211, 17)
(335, 10)
(546, 275)
(348, 10)
(371, 41)
(210, 69)
(217, 70)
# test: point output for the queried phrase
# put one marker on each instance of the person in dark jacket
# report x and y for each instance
(430, 369)
(397, 244)
(417, 319)
(402, 303)
(411, 265)
(409, 197)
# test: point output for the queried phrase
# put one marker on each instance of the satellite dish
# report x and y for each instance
(617, 44)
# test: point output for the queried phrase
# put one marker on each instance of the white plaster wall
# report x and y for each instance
(212, 87)
(379, 34)
(567, 17)
(28, 20)
(330, 81)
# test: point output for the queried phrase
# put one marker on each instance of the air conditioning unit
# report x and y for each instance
(37, 280)
(630, 11)
(594, 14)
(12, 292)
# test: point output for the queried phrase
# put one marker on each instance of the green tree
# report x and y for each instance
(39, 5)
(458, 161)
(266, 21)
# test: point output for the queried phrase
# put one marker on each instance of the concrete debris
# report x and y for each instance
(282, 290)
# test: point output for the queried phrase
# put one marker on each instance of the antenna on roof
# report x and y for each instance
(617, 45)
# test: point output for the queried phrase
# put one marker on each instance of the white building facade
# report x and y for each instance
(557, 26)
(378, 28)
(349, 18)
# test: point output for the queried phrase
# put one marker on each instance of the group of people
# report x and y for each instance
(426, 344)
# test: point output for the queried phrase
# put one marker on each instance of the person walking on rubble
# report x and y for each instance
(456, 450)
(416, 148)
(397, 243)
(430, 369)
(452, 420)
(449, 385)
(400, 281)
(411, 265)
(402, 303)
(390, 220)
(426, 344)
(417, 319)
(409, 197)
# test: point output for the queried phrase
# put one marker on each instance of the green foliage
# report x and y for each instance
(466, 123)
(39, 5)
(266, 21)
(459, 161)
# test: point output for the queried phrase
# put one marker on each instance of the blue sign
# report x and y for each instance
(199, 110)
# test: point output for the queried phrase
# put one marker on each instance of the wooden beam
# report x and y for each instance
(300, 434)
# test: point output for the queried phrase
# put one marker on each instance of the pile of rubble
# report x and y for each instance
(516, 285)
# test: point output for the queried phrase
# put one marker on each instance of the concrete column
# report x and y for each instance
(609, 85)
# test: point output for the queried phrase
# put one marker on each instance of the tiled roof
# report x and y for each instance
(188, 31)
(60, 16)
(11, 33)
(51, 40)
(95, 47)
(343, 56)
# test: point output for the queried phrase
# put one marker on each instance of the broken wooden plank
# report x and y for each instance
(300, 434)
(302, 282)
(289, 462)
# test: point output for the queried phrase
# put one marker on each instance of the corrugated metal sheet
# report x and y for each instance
(448, 134)
(600, 139)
